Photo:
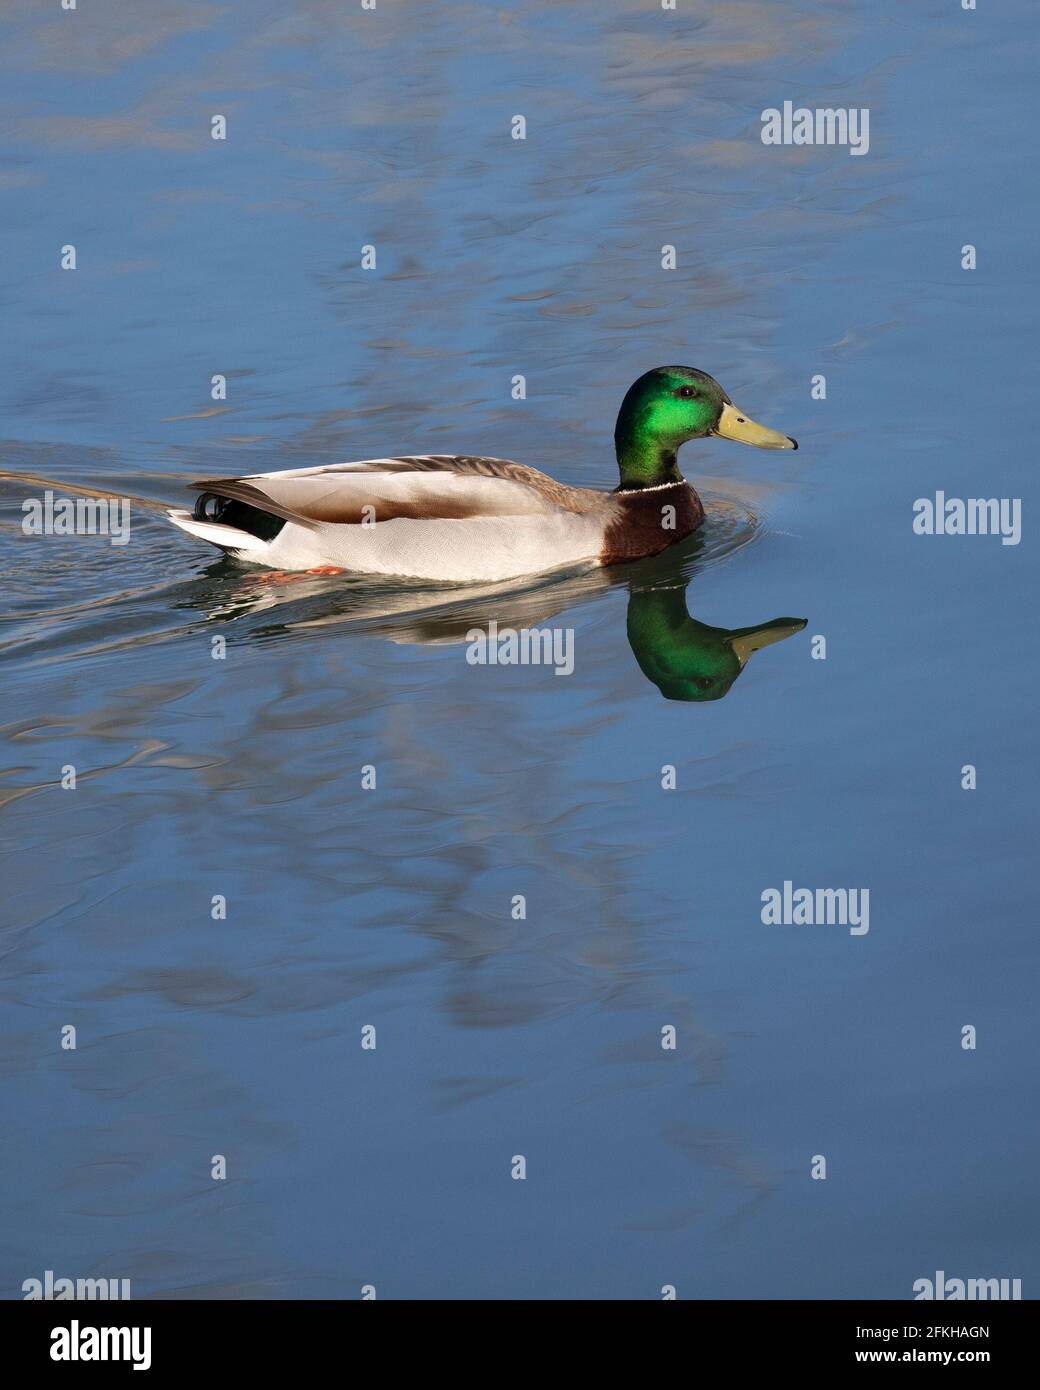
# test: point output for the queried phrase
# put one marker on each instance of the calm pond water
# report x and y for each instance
(392, 907)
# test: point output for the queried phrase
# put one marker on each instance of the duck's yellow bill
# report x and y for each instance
(734, 424)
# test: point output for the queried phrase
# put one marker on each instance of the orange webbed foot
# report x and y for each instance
(291, 576)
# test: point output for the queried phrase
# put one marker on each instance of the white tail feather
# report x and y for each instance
(227, 537)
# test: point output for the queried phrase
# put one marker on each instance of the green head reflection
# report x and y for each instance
(688, 660)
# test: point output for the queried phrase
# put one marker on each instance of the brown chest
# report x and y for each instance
(648, 521)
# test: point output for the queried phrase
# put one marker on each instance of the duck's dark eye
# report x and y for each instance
(705, 682)
(686, 392)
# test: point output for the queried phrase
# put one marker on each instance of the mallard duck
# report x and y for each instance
(478, 520)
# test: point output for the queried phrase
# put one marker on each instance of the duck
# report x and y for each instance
(470, 519)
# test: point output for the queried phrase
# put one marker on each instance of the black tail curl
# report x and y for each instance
(226, 511)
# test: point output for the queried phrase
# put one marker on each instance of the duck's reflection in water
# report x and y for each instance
(686, 659)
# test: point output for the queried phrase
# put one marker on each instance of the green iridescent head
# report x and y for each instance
(668, 406)
(688, 660)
